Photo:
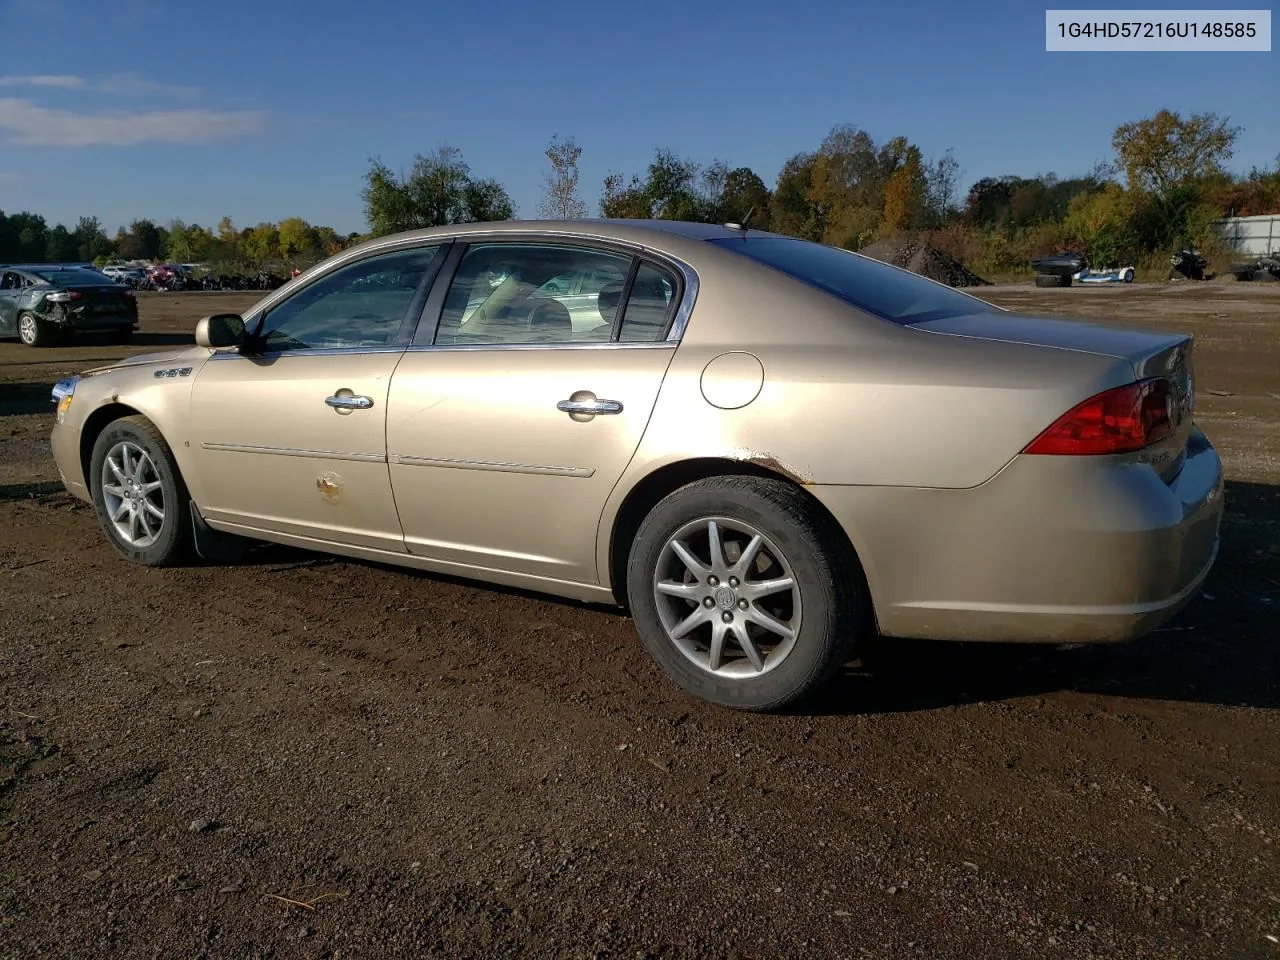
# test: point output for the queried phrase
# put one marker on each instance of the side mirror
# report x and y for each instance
(220, 330)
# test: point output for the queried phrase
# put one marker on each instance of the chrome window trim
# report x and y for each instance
(603, 345)
(304, 352)
(495, 465)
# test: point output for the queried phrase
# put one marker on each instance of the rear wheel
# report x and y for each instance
(139, 495)
(743, 597)
(35, 331)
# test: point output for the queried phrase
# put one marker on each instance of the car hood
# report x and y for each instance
(191, 354)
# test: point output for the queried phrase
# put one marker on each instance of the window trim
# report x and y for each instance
(428, 325)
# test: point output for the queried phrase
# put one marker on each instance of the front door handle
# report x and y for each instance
(348, 401)
(589, 406)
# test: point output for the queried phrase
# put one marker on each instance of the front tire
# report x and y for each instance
(139, 495)
(742, 595)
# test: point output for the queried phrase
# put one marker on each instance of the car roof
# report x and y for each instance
(636, 231)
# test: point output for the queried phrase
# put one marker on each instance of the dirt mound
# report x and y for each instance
(925, 260)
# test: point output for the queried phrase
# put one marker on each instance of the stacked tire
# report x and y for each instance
(1053, 279)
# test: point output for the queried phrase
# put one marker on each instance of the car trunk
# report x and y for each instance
(91, 304)
(1149, 354)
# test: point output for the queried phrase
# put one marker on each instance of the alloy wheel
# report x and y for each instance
(727, 597)
(133, 494)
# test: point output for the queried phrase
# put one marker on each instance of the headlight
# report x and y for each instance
(63, 391)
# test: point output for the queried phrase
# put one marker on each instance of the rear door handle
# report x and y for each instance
(349, 402)
(590, 408)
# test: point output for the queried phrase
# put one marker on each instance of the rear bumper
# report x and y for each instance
(1051, 549)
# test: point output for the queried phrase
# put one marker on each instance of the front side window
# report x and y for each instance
(362, 304)
(525, 293)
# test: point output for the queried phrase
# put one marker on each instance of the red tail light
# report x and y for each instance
(1122, 420)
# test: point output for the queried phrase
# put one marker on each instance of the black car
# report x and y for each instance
(39, 304)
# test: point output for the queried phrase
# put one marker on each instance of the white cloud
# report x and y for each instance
(118, 84)
(30, 124)
(45, 80)
(136, 85)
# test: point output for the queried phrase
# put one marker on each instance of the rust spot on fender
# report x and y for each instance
(770, 462)
(330, 487)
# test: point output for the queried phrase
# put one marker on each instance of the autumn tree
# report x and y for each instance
(904, 195)
(1164, 152)
(560, 200)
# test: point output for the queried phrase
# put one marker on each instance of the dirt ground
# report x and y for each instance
(307, 757)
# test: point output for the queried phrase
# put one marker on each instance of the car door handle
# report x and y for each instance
(349, 402)
(589, 407)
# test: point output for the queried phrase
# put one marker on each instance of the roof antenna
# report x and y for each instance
(745, 220)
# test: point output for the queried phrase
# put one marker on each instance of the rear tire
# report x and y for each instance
(35, 331)
(139, 495)
(693, 622)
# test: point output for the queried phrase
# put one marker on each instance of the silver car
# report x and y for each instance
(766, 448)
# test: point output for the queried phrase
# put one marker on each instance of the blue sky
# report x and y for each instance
(263, 110)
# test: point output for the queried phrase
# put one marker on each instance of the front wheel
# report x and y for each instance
(139, 495)
(743, 596)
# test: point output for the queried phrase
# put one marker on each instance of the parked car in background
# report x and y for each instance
(767, 449)
(41, 304)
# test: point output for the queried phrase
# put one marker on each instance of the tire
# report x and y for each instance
(1052, 280)
(1127, 275)
(35, 331)
(172, 541)
(825, 603)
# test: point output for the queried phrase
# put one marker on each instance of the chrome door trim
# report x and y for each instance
(496, 465)
(294, 452)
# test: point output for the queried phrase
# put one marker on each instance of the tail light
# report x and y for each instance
(64, 296)
(1122, 420)
(128, 295)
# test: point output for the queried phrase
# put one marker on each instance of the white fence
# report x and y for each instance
(1251, 236)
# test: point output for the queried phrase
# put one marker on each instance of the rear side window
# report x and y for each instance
(649, 307)
(887, 292)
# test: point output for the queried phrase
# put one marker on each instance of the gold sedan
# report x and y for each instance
(765, 448)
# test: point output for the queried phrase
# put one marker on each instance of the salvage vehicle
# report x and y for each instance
(41, 304)
(765, 448)
(1107, 275)
(1058, 269)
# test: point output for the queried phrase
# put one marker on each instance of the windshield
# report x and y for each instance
(879, 289)
(72, 278)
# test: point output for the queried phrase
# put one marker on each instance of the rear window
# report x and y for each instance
(72, 278)
(879, 289)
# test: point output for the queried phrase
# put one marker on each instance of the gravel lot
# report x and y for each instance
(308, 757)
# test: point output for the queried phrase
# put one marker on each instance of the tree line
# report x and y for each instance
(1161, 189)
(27, 238)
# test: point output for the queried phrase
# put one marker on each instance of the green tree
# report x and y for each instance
(741, 193)
(298, 239)
(262, 243)
(61, 246)
(438, 190)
